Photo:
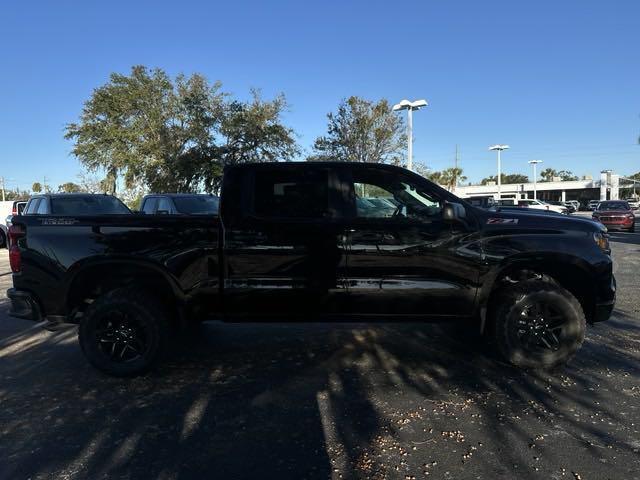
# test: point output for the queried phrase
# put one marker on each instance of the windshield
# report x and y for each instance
(613, 206)
(88, 205)
(197, 205)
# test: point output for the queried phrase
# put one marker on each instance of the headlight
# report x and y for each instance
(602, 240)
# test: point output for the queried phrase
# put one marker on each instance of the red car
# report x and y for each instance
(615, 214)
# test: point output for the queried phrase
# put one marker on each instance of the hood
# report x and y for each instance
(526, 219)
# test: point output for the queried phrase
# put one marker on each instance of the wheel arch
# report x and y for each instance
(99, 276)
(572, 273)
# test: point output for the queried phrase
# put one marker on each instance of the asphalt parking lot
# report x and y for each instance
(325, 401)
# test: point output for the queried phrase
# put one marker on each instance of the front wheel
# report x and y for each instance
(538, 324)
(123, 333)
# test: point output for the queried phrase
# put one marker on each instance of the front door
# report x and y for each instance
(284, 254)
(403, 257)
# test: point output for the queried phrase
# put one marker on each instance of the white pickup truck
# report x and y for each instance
(535, 204)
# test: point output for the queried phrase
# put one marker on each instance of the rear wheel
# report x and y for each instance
(124, 332)
(3, 239)
(538, 324)
(632, 228)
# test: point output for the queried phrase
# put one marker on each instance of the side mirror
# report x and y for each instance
(453, 212)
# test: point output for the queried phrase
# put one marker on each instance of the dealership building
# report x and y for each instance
(607, 187)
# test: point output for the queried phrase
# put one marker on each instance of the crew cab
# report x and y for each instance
(309, 241)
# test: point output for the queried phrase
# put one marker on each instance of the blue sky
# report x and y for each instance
(557, 80)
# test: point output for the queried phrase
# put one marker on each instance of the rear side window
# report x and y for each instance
(291, 193)
(88, 205)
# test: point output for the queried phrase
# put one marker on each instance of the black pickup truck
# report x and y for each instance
(315, 241)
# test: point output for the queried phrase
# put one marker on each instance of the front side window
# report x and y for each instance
(291, 193)
(382, 196)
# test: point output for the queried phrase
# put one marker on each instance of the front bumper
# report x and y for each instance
(606, 301)
(24, 305)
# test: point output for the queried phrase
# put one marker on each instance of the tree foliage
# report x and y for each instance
(362, 131)
(506, 178)
(69, 187)
(548, 174)
(36, 187)
(448, 178)
(174, 135)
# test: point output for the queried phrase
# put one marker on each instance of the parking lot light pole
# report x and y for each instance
(499, 149)
(410, 107)
(535, 177)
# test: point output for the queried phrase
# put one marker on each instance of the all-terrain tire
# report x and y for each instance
(508, 316)
(138, 309)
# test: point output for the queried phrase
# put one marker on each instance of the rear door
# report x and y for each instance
(283, 249)
(402, 256)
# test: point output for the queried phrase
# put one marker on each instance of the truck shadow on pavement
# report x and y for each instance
(320, 401)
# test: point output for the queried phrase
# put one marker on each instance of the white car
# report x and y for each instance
(633, 203)
(539, 205)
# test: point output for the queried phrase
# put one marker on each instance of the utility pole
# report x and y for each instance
(2, 180)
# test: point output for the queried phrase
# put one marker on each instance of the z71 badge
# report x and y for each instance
(492, 221)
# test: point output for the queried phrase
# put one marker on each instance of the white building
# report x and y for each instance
(607, 187)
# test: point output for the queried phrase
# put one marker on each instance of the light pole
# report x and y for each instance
(410, 107)
(535, 177)
(499, 149)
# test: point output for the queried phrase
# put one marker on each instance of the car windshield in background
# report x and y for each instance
(613, 206)
(88, 205)
(197, 205)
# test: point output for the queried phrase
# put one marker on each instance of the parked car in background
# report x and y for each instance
(75, 204)
(572, 205)
(615, 215)
(593, 204)
(14, 207)
(569, 208)
(634, 203)
(180, 204)
(540, 205)
(482, 201)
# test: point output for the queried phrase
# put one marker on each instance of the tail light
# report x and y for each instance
(15, 261)
(14, 210)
